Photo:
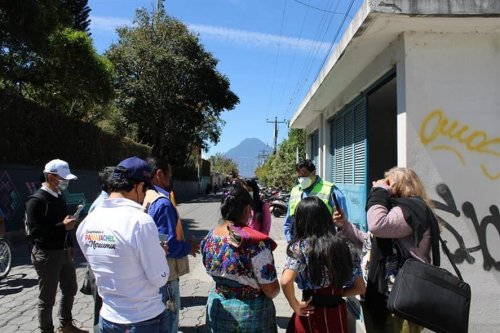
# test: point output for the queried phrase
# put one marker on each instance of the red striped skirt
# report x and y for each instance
(324, 319)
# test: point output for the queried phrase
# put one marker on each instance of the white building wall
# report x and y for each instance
(452, 91)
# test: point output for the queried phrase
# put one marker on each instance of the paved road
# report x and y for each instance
(19, 291)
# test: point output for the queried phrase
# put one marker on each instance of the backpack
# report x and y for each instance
(27, 224)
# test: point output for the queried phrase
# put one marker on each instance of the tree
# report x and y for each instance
(79, 12)
(168, 85)
(279, 169)
(44, 60)
(222, 164)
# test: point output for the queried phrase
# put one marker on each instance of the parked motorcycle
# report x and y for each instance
(278, 207)
(278, 203)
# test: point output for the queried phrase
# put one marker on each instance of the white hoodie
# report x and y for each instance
(120, 242)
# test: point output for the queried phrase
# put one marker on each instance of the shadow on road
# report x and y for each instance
(190, 229)
(199, 329)
(193, 301)
(207, 198)
(16, 283)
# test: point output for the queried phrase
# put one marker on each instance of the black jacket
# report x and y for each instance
(45, 216)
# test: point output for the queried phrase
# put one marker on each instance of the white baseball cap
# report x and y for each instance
(59, 167)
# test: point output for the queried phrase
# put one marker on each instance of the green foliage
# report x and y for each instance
(279, 169)
(77, 79)
(79, 12)
(44, 60)
(35, 135)
(168, 86)
(223, 165)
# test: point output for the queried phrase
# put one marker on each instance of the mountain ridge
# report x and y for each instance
(246, 155)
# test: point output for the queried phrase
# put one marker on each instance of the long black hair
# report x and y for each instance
(256, 202)
(234, 203)
(327, 252)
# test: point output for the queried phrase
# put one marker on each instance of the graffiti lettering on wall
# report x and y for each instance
(463, 252)
(436, 125)
(9, 196)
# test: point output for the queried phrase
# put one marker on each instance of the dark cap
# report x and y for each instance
(133, 168)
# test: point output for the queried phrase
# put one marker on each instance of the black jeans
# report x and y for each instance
(54, 267)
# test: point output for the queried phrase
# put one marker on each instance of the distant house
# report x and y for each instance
(416, 83)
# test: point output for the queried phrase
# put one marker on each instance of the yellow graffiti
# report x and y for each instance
(487, 174)
(436, 125)
(460, 157)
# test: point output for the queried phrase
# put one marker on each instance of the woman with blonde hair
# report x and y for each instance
(402, 225)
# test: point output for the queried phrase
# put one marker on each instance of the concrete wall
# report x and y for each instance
(452, 134)
(17, 182)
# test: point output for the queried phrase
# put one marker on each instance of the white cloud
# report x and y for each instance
(234, 36)
(107, 23)
(257, 39)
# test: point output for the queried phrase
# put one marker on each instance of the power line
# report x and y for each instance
(336, 36)
(262, 157)
(320, 9)
(277, 57)
(320, 36)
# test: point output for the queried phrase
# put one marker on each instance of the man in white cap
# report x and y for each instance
(52, 255)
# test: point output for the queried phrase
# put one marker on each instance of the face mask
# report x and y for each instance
(305, 182)
(62, 184)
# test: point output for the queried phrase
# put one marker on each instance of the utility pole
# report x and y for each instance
(262, 157)
(276, 122)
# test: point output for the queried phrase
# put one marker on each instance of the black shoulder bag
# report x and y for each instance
(431, 296)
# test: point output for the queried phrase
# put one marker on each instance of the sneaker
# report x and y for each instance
(70, 328)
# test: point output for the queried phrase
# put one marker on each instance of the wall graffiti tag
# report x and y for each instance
(10, 198)
(463, 252)
(459, 137)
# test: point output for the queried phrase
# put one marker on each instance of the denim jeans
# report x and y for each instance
(157, 324)
(171, 291)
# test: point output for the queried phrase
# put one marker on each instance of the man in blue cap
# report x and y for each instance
(121, 244)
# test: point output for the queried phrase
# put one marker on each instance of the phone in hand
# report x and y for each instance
(78, 211)
(335, 201)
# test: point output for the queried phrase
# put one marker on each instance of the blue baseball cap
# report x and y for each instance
(133, 168)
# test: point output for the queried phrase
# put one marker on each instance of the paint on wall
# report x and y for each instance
(465, 252)
(10, 199)
(444, 134)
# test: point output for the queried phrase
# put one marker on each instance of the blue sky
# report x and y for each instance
(271, 51)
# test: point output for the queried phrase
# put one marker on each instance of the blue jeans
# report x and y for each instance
(157, 324)
(171, 291)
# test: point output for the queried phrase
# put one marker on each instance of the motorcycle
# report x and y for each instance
(278, 207)
(279, 204)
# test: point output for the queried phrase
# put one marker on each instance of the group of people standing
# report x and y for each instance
(328, 258)
(135, 247)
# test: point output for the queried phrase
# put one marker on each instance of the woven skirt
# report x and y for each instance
(233, 315)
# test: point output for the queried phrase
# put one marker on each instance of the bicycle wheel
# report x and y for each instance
(5, 258)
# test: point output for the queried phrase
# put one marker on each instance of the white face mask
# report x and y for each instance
(62, 184)
(305, 182)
